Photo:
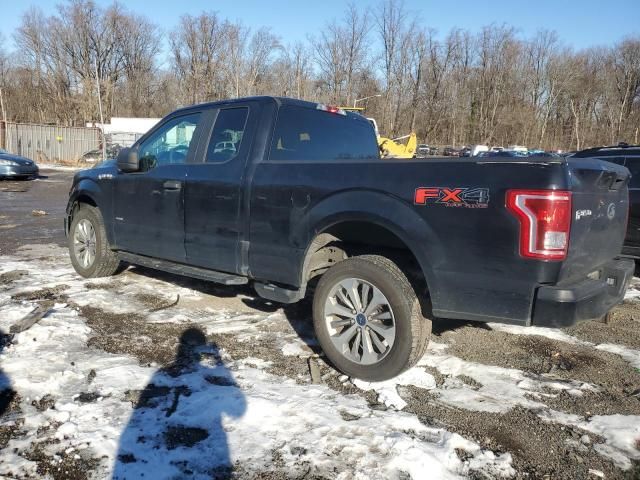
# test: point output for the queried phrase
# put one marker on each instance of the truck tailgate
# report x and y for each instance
(600, 200)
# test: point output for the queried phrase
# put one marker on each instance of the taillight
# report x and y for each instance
(545, 222)
(330, 109)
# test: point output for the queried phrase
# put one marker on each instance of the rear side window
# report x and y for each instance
(618, 160)
(633, 164)
(303, 134)
(227, 134)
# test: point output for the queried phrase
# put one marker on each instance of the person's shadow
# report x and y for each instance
(176, 429)
(7, 394)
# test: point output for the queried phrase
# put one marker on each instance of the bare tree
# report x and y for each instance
(391, 25)
(460, 87)
(259, 52)
(196, 49)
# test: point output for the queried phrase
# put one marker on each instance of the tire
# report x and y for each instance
(105, 261)
(399, 309)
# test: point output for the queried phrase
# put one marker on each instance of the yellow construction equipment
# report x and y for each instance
(390, 147)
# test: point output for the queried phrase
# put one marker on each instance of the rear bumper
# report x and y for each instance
(589, 299)
(18, 171)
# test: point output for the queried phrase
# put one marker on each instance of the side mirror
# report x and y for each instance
(128, 160)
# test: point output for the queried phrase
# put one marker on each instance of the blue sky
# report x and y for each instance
(579, 23)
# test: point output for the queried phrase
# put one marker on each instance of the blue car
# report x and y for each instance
(15, 166)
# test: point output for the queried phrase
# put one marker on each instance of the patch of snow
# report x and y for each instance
(294, 349)
(387, 391)
(633, 291)
(63, 168)
(622, 432)
(628, 354)
(499, 390)
(551, 333)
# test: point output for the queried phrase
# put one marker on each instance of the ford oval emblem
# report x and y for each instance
(611, 211)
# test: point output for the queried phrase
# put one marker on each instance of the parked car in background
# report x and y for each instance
(15, 166)
(95, 156)
(518, 148)
(502, 154)
(544, 154)
(450, 152)
(465, 152)
(92, 156)
(496, 149)
(476, 149)
(628, 156)
(422, 151)
(225, 146)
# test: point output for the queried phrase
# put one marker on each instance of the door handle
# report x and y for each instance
(172, 185)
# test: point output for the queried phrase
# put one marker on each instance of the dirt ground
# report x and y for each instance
(606, 381)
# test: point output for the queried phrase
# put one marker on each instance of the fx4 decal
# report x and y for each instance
(452, 197)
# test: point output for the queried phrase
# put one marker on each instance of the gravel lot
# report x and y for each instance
(149, 373)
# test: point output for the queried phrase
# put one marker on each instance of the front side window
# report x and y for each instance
(227, 134)
(305, 134)
(169, 144)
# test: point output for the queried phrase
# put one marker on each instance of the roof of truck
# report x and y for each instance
(266, 99)
(622, 149)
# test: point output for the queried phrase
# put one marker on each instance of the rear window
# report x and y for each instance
(303, 134)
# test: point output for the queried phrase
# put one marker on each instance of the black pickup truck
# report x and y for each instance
(294, 197)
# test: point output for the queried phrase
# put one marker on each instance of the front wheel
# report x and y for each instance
(89, 249)
(368, 320)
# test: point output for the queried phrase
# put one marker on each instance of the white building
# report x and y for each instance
(125, 131)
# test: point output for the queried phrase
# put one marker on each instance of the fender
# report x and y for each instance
(384, 210)
(89, 188)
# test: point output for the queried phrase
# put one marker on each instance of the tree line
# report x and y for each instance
(492, 86)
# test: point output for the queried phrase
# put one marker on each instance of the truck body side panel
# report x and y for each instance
(468, 252)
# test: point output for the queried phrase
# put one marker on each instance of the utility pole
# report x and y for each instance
(4, 119)
(355, 102)
(4, 112)
(104, 143)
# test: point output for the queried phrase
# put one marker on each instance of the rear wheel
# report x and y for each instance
(88, 247)
(368, 319)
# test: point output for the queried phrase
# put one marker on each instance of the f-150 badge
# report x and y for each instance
(452, 197)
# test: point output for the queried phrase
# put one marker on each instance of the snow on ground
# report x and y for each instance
(221, 411)
(388, 390)
(630, 355)
(64, 168)
(501, 388)
(633, 292)
(217, 412)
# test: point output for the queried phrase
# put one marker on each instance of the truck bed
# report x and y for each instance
(468, 251)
